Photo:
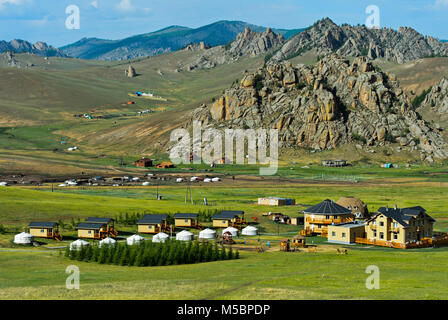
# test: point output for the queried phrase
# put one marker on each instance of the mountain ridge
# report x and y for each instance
(168, 39)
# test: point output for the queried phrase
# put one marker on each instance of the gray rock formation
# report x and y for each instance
(39, 48)
(326, 37)
(8, 59)
(324, 106)
(437, 98)
(130, 72)
(247, 43)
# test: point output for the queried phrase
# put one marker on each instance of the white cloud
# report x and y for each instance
(125, 5)
(4, 3)
(441, 4)
(94, 4)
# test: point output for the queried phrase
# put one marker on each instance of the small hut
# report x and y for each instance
(249, 231)
(165, 165)
(24, 238)
(160, 237)
(207, 234)
(231, 230)
(184, 236)
(357, 206)
(107, 242)
(186, 220)
(78, 244)
(135, 239)
(143, 163)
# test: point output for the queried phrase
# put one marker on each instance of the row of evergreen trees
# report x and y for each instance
(147, 253)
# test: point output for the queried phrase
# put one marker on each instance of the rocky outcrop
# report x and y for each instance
(437, 98)
(326, 37)
(250, 43)
(9, 60)
(197, 46)
(38, 48)
(324, 106)
(247, 43)
(130, 72)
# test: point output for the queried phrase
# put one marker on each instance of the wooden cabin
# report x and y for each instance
(165, 165)
(274, 201)
(89, 230)
(45, 230)
(187, 220)
(346, 233)
(226, 219)
(320, 216)
(108, 221)
(143, 163)
(153, 223)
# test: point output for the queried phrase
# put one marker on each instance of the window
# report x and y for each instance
(374, 234)
(343, 234)
(381, 235)
(395, 236)
(89, 231)
(381, 224)
(187, 220)
(395, 225)
(327, 217)
(42, 230)
(374, 223)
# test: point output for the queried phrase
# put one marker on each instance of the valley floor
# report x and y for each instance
(39, 273)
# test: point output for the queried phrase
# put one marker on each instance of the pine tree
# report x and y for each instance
(230, 254)
(215, 253)
(223, 254)
(124, 256)
(237, 254)
(88, 254)
(67, 252)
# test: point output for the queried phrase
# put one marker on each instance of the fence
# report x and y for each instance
(424, 243)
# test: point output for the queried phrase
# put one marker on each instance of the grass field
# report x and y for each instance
(410, 274)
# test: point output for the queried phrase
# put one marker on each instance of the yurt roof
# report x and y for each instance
(185, 233)
(208, 231)
(250, 228)
(352, 202)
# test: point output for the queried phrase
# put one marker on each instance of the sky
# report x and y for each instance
(45, 20)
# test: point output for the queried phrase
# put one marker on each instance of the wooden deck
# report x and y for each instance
(424, 243)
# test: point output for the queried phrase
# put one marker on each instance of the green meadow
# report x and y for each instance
(39, 272)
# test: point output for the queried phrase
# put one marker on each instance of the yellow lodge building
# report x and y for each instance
(319, 217)
(400, 225)
(153, 223)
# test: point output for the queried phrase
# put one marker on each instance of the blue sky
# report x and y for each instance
(44, 20)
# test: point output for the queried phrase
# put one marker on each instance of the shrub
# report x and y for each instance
(358, 137)
(417, 101)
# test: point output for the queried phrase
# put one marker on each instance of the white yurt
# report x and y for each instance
(233, 231)
(207, 180)
(160, 237)
(216, 179)
(135, 239)
(207, 234)
(107, 242)
(184, 236)
(24, 238)
(145, 184)
(249, 231)
(76, 245)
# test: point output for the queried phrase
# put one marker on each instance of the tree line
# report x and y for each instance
(147, 253)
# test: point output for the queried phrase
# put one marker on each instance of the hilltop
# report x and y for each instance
(325, 36)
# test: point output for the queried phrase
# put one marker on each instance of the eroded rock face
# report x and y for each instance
(324, 106)
(437, 98)
(39, 48)
(326, 37)
(247, 43)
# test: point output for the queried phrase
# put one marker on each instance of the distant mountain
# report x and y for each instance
(166, 40)
(22, 46)
(400, 46)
